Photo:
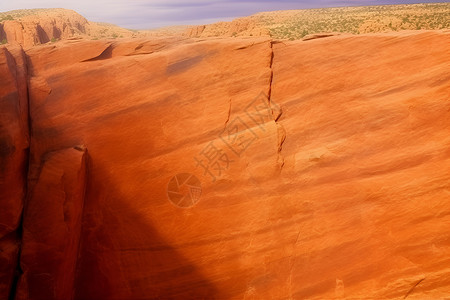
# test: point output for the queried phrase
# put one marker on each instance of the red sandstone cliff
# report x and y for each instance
(336, 185)
(40, 26)
(14, 144)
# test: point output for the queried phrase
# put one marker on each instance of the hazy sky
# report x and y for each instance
(143, 14)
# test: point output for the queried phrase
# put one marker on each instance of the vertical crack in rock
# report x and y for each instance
(15, 106)
(83, 149)
(277, 112)
(62, 186)
(27, 70)
(19, 271)
(229, 115)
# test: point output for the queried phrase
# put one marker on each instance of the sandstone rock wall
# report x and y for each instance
(52, 227)
(35, 29)
(14, 146)
(331, 175)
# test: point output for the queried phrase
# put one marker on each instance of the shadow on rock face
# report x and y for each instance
(122, 256)
(42, 35)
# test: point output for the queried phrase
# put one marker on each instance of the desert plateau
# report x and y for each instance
(288, 154)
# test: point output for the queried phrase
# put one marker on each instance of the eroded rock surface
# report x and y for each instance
(238, 27)
(31, 27)
(14, 144)
(324, 168)
(52, 226)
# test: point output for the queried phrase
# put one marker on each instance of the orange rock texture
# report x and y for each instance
(52, 227)
(324, 168)
(14, 147)
(41, 28)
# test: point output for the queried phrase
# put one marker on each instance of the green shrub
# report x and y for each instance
(350, 19)
(7, 18)
(4, 41)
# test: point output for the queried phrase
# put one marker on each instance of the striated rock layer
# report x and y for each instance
(324, 169)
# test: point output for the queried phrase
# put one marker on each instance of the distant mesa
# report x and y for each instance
(31, 27)
(40, 26)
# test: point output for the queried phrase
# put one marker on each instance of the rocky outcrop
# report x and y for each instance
(319, 36)
(14, 144)
(41, 26)
(367, 146)
(52, 227)
(239, 27)
(128, 262)
(195, 31)
(315, 170)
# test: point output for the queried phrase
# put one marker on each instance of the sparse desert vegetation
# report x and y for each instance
(295, 24)
(20, 13)
(6, 18)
